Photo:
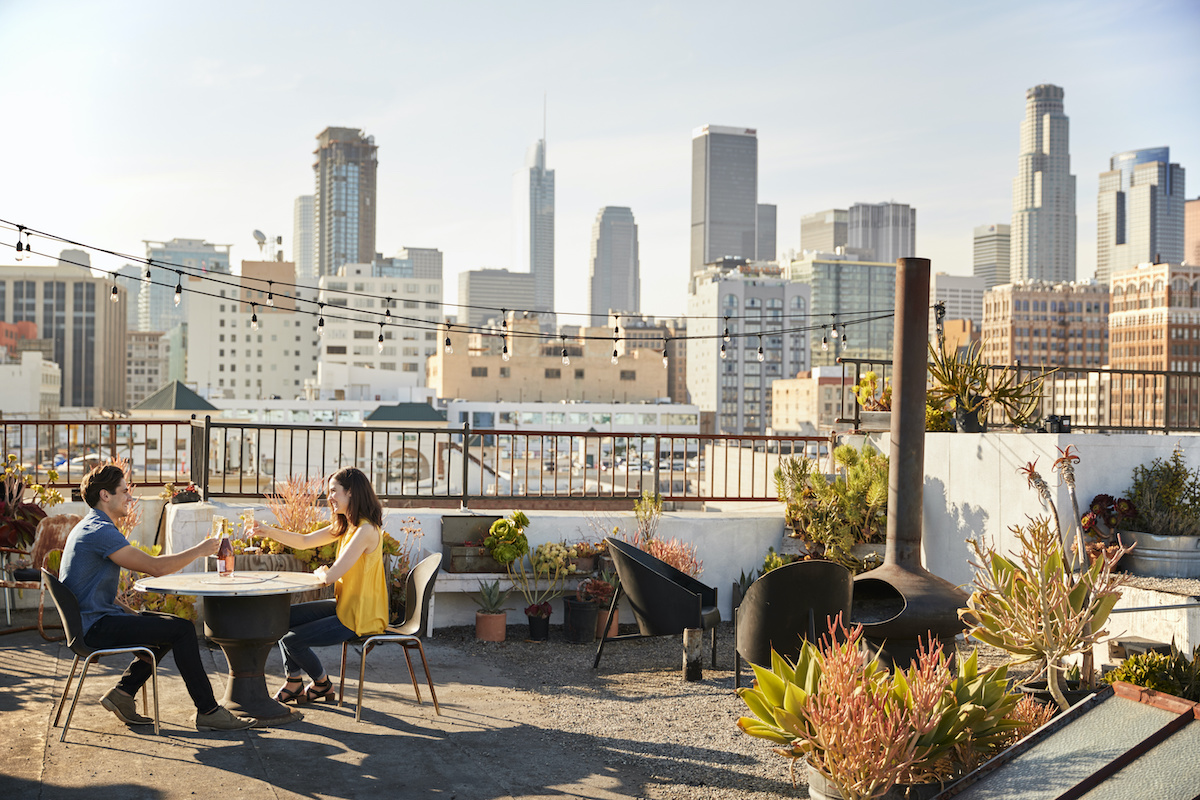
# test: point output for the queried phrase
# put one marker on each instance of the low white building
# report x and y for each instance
(32, 386)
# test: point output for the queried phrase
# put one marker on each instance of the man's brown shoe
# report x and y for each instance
(222, 720)
(125, 707)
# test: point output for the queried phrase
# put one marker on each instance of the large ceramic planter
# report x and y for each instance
(490, 627)
(1161, 556)
(820, 788)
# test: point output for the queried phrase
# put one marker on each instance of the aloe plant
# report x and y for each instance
(490, 598)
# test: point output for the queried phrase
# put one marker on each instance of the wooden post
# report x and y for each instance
(693, 640)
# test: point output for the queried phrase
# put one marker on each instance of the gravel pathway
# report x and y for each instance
(638, 710)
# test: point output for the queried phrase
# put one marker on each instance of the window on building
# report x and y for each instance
(553, 372)
(478, 372)
(578, 374)
(336, 350)
(505, 372)
(628, 375)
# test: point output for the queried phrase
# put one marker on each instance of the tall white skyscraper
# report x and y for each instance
(156, 301)
(344, 202)
(533, 216)
(302, 237)
(1043, 220)
(884, 232)
(1139, 214)
(993, 260)
(724, 194)
(615, 275)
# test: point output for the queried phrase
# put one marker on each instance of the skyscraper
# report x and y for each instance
(1139, 215)
(993, 261)
(765, 249)
(884, 232)
(824, 231)
(157, 310)
(344, 202)
(1191, 232)
(615, 275)
(1043, 220)
(533, 215)
(302, 237)
(724, 194)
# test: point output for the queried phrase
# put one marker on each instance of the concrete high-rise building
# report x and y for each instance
(533, 216)
(724, 194)
(765, 249)
(845, 289)
(615, 282)
(1043, 220)
(303, 223)
(1046, 324)
(962, 296)
(485, 291)
(993, 262)
(1139, 215)
(344, 201)
(156, 301)
(72, 308)
(1151, 325)
(130, 277)
(733, 380)
(1191, 232)
(883, 232)
(410, 262)
(824, 231)
(146, 361)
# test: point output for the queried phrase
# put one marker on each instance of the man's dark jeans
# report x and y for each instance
(162, 633)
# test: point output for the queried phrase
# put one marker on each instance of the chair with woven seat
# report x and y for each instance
(787, 606)
(51, 535)
(418, 593)
(665, 600)
(68, 612)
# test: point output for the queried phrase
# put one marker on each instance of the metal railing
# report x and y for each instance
(1139, 401)
(157, 449)
(467, 466)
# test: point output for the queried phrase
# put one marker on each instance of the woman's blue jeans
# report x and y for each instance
(311, 625)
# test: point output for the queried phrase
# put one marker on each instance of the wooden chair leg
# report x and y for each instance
(428, 677)
(411, 673)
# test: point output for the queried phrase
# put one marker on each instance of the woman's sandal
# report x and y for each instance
(286, 695)
(319, 690)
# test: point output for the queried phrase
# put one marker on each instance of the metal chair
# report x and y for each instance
(68, 612)
(51, 535)
(418, 592)
(785, 607)
(665, 601)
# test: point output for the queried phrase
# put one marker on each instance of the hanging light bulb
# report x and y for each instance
(843, 337)
(321, 320)
(504, 354)
(387, 313)
(449, 347)
(566, 358)
(722, 350)
(824, 339)
(147, 277)
(253, 317)
(28, 245)
(113, 295)
(666, 362)
(270, 294)
(178, 287)
(381, 339)
(726, 337)
(761, 355)
(614, 356)
(20, 244)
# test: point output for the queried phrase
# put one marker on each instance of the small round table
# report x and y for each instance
(245, 613)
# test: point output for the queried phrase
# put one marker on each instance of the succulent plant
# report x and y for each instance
(491, 599)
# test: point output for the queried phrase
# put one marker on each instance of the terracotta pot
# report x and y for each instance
(604, 623)
(490, 627)
(584, 565)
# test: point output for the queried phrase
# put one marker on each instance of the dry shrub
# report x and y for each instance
(297, 505)
(680, 555)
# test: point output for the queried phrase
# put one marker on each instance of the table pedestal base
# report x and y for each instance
(246, 628)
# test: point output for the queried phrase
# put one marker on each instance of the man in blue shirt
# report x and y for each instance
(92, 560)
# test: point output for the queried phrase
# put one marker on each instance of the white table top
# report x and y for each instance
(239, 584)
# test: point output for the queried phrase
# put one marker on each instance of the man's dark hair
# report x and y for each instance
(108, 477)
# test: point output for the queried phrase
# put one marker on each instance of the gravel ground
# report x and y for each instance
(638, 708)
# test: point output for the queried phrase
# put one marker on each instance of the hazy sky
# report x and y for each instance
(127, 121)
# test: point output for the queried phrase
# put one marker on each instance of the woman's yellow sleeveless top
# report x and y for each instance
(362, 603)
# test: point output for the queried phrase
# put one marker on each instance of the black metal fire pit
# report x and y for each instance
(900, 600)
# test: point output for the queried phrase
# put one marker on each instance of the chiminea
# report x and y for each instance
(900, 600)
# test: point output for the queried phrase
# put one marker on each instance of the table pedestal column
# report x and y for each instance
(247, 628)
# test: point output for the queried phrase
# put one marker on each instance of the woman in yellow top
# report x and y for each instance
(360, 604)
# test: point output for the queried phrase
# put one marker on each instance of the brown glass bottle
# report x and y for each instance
(225, 558)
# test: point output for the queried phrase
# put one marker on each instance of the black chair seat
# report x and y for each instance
(27, 574)
(710, 617)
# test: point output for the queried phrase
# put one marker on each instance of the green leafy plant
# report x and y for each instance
(961, 378)
(869, 394)
(1172, 673)
(506, 541)
(1167, 496)
(867, 729)
(19, 517)
(596, 590)
(937, 417)
(544, 578)
(772, 561)
(491, 599)
(181, 605)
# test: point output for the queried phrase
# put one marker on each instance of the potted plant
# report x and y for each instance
(1165, 533)
(1106, 515)
(506, 540)
(973, 388)
(583, 557)
(539, 583)
(581, 622)
(188, 494)
(19, 517)
(1170, 673)
(863, 730)
(600, 590)
(491, 619)
(876, 403)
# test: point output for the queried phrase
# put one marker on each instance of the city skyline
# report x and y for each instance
(453, 121)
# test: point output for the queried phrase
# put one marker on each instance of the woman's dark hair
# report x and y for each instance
(108, 477)
(364, 503)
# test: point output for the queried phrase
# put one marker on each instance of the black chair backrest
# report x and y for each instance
(417, 593)
(665, 600)
(68, 612)
(789, 604)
